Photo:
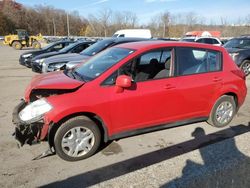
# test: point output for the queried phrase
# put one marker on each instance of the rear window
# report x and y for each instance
(194, 61)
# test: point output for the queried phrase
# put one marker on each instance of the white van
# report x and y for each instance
(140, 33)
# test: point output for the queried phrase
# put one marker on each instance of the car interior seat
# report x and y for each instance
(148, 72)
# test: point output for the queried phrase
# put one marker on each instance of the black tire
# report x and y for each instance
(229, 102)
(36, 45)
(17, 45)
(82, 123)
(245, 66)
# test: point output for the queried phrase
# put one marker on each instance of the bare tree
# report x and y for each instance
(104, 20)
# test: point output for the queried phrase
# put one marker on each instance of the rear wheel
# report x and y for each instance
(223, 111)
(36, 45)
(245, 66)
(17, 45)
(77, 139)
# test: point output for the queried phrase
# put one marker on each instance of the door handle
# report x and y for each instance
(217, 79)
(169, 86)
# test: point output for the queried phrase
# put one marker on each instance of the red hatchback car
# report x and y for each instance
(126, 90)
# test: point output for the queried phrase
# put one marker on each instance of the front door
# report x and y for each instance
(153, 98)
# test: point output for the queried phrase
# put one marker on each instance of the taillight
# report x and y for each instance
(239, 73)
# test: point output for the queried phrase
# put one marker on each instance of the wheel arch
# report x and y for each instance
(229, 92)
(15, 41)
(94, 117)
(234, 95)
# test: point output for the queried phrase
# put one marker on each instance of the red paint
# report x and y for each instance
(142, 104)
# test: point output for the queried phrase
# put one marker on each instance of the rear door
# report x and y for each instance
(199, 76)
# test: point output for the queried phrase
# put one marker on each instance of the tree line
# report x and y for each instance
(52, 21)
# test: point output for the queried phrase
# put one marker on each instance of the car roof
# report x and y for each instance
(160, 44)
(204, 37)
(242, 37)
(84, 41)
(124, 39)
(64, 41)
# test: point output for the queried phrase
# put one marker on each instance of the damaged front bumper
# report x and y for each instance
(25, 133)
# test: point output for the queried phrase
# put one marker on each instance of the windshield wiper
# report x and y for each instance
(77, 75)
(69, 74)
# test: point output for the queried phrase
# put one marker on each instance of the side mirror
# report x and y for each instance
(122, 82)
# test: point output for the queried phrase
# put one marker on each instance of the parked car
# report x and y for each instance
(130, 89)
(139, 33)
(188, 39)
(239, 49)
(77, 47)
(25, 58)
(209, 40)
(59, 62)
(206, 40)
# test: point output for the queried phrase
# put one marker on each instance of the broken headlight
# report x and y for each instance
(35, 110)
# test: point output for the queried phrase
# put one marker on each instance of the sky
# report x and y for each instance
(210, 10)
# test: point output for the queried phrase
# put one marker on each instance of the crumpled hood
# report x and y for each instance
(52, 81)
(63, 58)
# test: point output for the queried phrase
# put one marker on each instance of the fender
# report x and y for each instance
(56, 118)
(224, 90)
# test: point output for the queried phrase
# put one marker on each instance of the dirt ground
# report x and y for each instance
(17, 169)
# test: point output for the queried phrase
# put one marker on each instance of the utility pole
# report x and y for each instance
(68, 23)
(54, 26)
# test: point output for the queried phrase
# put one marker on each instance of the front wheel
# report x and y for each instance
(36, 45)
(17, 45)
(222, 112)
(77, 139)
(245, 66)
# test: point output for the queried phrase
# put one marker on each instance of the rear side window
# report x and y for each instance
(194, 61)
(215, 41)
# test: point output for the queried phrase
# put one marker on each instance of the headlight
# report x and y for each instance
(27, 55)
(234, 55)
(35, 110)
(39, 61)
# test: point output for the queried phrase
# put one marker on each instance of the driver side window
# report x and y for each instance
(149, 66)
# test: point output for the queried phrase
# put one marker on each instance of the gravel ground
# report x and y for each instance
(189, 156)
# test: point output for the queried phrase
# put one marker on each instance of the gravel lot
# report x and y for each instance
(186, 156)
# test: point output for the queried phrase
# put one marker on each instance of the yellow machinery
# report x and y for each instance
(22, 39)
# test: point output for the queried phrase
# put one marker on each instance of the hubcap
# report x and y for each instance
(224, 112)
(78, 141)
(246, 68)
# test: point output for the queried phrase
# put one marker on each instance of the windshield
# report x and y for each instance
(101, 62)
(69, 47)
(115, 35)
(96, 48)
(238, 43)
(48, 46)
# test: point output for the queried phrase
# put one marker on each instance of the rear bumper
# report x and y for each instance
(25, 133)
